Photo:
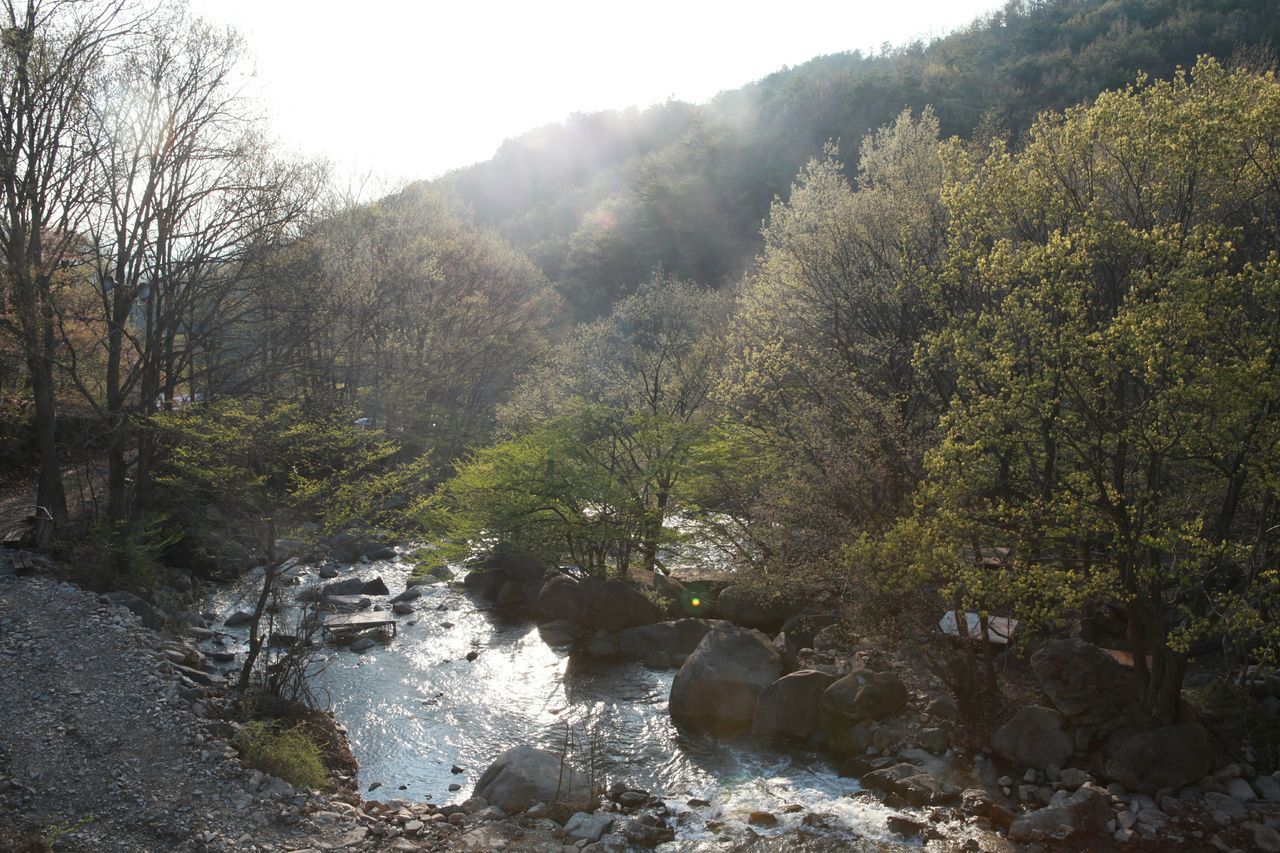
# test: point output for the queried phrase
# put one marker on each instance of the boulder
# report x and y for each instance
(380, 552)
(558, 633)
(647, 830)
(1084, 682)
(349, 586)
(345, 548)
(402, 608)
(789, 706)
(753, 609)
(717, 688)
(524, 775)
(240, 617)
(679, 637)
(800, 632)
(484, 583)
(587, 826)
(410, 594)
(1085, 812)
(1167, 757)
(147, 615)
(513, 593)
(863, 695)
(1034, 738)
(912, 784)
(377, 586)
(594, 604)
(517, 567)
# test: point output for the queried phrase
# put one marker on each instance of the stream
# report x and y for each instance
(415, 707)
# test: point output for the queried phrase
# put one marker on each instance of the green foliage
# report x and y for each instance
(121, 555)
(288, 753)
(820, 377)
(1113, 296)
(256, 458)
(605, 432)
(60, 830)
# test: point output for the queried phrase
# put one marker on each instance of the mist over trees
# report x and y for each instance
(602, 199)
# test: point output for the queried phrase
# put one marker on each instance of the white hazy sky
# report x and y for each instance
(405, 90)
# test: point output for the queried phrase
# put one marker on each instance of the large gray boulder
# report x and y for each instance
(676, 638)
(345, 547)
(594, 604)
(863, 695)
(1084, 682)
(717, 688)
(1167, 757)
(524, 775)
(789, 706)
(1085, 812)
(377, 586)
(350, 586)
(753, 608)
(1034, 738)
(912, 784)
(518, 567)
(485, 583)
(148, 615)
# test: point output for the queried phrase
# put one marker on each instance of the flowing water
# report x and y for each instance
(415, 708)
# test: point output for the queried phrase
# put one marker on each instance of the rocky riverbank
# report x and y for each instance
(105, 745)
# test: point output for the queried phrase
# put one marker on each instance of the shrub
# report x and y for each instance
(288, 753)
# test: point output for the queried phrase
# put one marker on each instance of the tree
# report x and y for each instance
(267, 465)
(188, 195)
(605, 432)
(1116, 414)
(50, 54)
(821, 371)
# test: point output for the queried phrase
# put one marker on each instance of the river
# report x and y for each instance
(416, 707)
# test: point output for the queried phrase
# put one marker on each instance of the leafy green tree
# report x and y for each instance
(1115, 420)
(605, 430)
(269, 465)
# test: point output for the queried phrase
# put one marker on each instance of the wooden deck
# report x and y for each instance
(348, 624)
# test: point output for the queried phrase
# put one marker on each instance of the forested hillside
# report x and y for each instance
(600, 200)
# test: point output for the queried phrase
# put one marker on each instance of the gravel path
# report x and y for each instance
(101, 744)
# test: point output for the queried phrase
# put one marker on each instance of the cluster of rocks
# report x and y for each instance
(1152, 783)
(534, 800)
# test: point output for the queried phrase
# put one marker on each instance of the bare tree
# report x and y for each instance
(50, 54)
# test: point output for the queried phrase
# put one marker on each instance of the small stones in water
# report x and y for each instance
(762, 818)
(446, 624)
(472, 655)
(697, 803)
(375, 786)
(455, 787)
(455, 769)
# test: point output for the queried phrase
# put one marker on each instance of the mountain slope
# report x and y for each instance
(602, 199)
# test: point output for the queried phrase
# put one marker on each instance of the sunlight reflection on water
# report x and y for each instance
(415, 707)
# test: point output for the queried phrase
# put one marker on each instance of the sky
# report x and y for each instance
(397, 90)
